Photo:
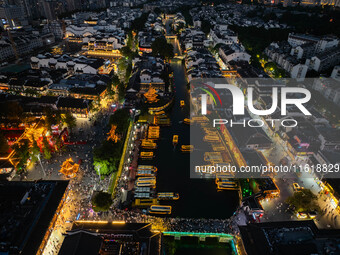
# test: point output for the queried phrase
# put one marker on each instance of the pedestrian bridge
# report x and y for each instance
(171, 37)
(180, 57)
(222, 238)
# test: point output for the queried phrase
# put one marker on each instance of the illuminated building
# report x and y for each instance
(148, 72)
(99, 237)
(74, 65)
(84, 86)
(57, 51)
(148, 144)
(252, 207)
(79, 107)
(69, 168)
(107, 46)
(233, 52)
(33, 207)
(112, 134)
(276, 238)
(151, 96)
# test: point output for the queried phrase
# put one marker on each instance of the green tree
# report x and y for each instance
(121, 91)
(139, 23)
(304, 201)
(122, 64)
(49, 118)
(101, 202)
(128, 72)
(185, 10)
(120, 119)
(46, 149)
(161, 47)
(102, 166)
(21, 153)
(106, 157)
(58, 142)
(52, 117)
(135, 44)
(3, 144)
(35, 151)
(206, 26)
(126, 51)
(129, 40)
(69, 120)
(111, 86)
(115, 80)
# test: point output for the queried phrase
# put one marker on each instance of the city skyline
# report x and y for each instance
(169, 127)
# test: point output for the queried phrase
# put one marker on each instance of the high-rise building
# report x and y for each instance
(50, 9)
(12, 16)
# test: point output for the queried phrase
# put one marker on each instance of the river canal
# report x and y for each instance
(199, 198)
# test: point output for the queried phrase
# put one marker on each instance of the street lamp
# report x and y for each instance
(41, 165)
(98, 171)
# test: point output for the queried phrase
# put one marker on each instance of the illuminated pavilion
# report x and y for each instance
(151, 95)
(112, 134)
(69, 168)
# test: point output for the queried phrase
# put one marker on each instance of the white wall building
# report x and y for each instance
(234, 52)
(221, 34)
(325, 60)
(81, 64)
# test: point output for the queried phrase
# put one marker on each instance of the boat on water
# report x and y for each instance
(143, 190)
(151, 184)
(146, 179)
(146, 155)
(153, 132)
(187, 148)
(187, 121)
(160, 209)
(145, 173)
(145, 202)
(175, 139)
(149, 144)
(159, 113)
(147, 167)
(167, 196)
(162, 121)
(142, 195)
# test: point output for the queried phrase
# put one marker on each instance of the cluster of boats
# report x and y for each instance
(145, 194)
(149, 143)
(145, 191)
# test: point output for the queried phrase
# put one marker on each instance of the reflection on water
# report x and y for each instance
(198, 197)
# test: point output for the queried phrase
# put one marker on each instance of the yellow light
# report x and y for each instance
(118, 222)
(93, 221)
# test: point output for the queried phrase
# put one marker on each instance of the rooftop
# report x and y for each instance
(26, 209)
(290, 237)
